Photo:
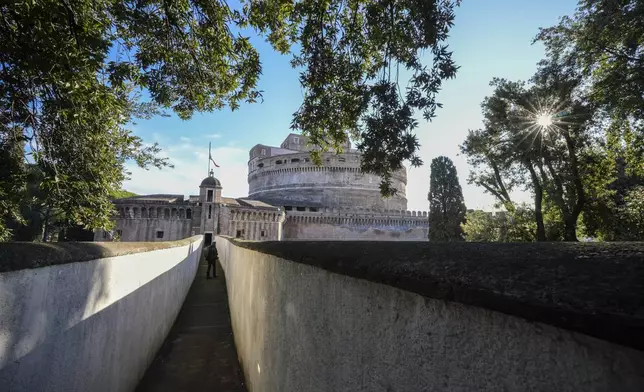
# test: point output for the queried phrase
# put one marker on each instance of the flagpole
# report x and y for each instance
(209, 143)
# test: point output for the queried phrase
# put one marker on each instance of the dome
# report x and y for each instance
(210, 182)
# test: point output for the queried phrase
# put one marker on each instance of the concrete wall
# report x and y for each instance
(93, 325)
(303, 328)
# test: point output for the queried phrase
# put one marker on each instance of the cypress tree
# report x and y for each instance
(446, 205)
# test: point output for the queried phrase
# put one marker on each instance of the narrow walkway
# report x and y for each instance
(199, 353)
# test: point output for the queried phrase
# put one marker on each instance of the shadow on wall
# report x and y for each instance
(92, 325)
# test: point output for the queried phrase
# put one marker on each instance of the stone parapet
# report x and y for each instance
(376, 316)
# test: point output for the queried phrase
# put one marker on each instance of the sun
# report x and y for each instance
(544, 120)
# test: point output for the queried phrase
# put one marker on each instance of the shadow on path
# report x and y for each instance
(199, 353)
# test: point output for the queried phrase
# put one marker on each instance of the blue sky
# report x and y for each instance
(489, 39)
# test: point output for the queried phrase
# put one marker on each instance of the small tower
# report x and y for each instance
(210, 199)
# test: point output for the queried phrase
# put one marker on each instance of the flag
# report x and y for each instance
(210, 157)
(213, 162)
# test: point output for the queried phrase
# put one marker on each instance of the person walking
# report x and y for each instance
(211, 257)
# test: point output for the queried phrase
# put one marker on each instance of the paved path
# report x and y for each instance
(199, 353)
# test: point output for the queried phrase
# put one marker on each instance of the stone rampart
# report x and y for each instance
(356, 316)
(88, 316)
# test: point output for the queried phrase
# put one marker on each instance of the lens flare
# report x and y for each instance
(544, 120)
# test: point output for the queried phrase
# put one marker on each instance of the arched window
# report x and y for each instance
(188, 213)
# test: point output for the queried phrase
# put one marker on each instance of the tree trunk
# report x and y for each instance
(538, 200)
(571, 233)
(45, 229)
(570, 229)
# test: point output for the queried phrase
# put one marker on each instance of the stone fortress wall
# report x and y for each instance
(251, 224)
(355, 224)
(151, 220)
(337, 183)
(170, 218)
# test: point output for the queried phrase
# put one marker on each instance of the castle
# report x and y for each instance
(290, 198)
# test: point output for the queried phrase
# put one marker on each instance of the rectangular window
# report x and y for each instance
(263, 234)
(209, 197)
(209, 211)
(313, 209)
(104, 234)
(188, 213)
(295, 160)
(239, 234)
(296, 140)
(119, 233)
(301, 208)
(342, 160)
(159, 234)
(288, 208)
(278, 162)
(263, 151)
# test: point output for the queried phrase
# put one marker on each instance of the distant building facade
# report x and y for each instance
(290, 198)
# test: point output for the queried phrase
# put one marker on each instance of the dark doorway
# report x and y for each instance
(208, 239)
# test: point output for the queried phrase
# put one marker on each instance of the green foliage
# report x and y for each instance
(446, 206)
(122, 194)
(516, 226)
(605, 40)
(352, 53)
(613, 168)
(632, 214)
(481, 226)
(12, 185)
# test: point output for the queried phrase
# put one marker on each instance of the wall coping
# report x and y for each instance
(24, 255)
(593, 288)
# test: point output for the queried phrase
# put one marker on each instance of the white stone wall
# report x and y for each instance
(94, 325)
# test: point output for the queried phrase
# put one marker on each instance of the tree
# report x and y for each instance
(614, 168)
(536, 134)
(516, 226)
(604, 39)
(632, 213)
(71, 73)
(481, 226)
(122, 194)
(446, 206)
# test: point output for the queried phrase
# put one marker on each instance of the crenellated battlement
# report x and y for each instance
(356, 212)
(391, 221)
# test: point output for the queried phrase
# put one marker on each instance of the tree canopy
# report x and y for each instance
(446, 206)
(574, 134)
(76, 73)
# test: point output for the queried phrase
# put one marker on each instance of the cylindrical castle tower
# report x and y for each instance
(286, 176)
